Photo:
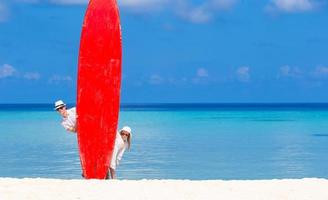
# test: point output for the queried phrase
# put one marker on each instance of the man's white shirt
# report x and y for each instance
(70, 121)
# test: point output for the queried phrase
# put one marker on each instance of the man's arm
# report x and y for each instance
(69, 128)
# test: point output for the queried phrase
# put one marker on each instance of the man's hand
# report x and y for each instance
(71, 129)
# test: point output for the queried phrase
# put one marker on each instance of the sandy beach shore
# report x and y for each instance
(298, 189)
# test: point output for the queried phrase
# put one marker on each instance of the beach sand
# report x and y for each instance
(33, 189)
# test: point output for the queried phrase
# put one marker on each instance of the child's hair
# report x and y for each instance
(128, 139)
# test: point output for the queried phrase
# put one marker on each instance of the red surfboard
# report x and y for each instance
(98, 87)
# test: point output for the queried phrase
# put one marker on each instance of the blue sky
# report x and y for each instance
(173, 50)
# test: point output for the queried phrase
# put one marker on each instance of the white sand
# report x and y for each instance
(34, 189)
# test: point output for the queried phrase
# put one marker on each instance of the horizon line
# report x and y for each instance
(180, 103)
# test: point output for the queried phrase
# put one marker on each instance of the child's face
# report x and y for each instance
(124, 135)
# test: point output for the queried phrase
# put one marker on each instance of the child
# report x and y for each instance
(122, 142)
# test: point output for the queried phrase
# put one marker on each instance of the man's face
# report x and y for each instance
(62, 111)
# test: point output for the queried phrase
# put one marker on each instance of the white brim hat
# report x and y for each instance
(127, 129)
(59, 104)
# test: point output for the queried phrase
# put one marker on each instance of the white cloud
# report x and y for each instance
(144, 5)
(202, 72)
(28, 1)
(321, 72)
(60, 2)
(4, 13)
(223, 4)
(243, 74)
(56, 79)
(201, 78)
(197, 14)
(68, 2)
(291, 6)
(155, 79)
(204, 12)
(284, 70)
(131, 4)
(288, 71)
(201, 13)
(32, 76)
(7, 71)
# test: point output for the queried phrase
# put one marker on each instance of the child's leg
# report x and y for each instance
(112, 173)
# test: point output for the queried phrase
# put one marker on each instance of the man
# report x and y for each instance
(69, 116)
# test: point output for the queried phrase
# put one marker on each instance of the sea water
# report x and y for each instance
(177, 141)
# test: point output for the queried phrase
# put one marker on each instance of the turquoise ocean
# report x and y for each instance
(177, 141)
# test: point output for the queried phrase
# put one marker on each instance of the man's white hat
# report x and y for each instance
(127, 129)
(59, 104)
